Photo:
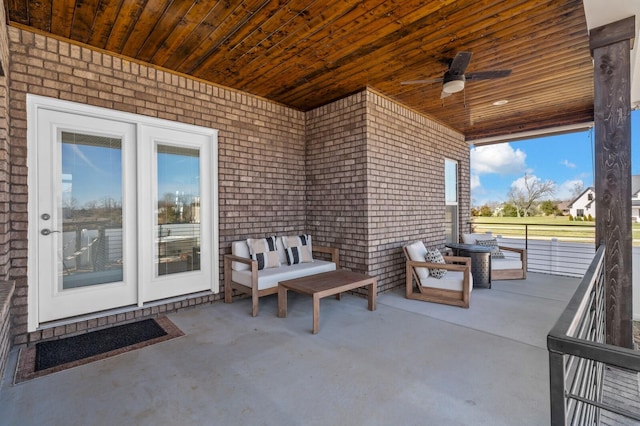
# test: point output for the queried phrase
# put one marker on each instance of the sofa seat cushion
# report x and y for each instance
(453, 280)
(471, 238)
(268, 278)
(506, 263)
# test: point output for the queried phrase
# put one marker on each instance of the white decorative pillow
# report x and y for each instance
(492, 243)
(434, 256)
(297, 248)
(264, 251)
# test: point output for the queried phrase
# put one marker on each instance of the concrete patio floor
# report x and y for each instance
(408, 362)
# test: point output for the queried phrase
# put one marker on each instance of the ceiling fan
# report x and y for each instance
(454, 78)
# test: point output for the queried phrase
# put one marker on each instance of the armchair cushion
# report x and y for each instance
(471, 238)
(417, 252)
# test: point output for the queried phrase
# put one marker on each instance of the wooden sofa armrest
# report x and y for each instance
(233, 258)
(333, 251)
(228, 266)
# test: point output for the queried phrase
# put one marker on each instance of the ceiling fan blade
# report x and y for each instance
(429, 80)
(460, 63)
(487, 75)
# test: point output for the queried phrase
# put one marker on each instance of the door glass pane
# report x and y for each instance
(451, 224)
(90, 249)
(177, 245)
(451, 200)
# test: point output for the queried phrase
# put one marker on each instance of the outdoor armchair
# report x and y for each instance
(514, 264)
(454, 288)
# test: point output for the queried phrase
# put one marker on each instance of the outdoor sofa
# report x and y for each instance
(256, 266)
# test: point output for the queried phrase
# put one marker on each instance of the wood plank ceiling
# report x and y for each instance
(308, 53)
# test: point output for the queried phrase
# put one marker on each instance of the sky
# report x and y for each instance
(565, 159)
(93, 173)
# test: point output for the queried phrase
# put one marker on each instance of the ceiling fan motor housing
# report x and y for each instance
(453, 83)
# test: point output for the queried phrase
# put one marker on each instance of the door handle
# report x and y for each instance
(46, 231)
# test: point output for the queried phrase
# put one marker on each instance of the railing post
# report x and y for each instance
(556, 382)
(553, 250)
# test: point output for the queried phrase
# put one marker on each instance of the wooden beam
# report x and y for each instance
(612, 114)
(606, 35)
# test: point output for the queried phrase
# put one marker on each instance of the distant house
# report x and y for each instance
(635, 198)
(563, 206)
(584, 204)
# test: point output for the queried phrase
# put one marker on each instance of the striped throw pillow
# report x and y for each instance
(263, 250)
(297, 248)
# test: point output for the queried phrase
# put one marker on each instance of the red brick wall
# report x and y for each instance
(261, 147)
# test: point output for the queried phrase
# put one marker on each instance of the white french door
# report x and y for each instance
(86, 248)
(175, 214)
(122, 210)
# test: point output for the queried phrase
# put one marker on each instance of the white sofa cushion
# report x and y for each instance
(241, 249)
(454, 280)
(471, 238)
(268, 278)
(506, 263)
(417, 252)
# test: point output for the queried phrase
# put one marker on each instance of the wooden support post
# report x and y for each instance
(611, 45)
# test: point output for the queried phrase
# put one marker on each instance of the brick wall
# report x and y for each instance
(406, 153)
(6, 294)
(337, 178)
(5, 157)
(261, 148)
(375, 173)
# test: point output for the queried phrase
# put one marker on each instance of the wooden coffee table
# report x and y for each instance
(323, 285)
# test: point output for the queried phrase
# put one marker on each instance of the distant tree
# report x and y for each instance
(509, 210)
(549, 208)
(524, 197)
(475, 212)
(578, 188)
(486, 211)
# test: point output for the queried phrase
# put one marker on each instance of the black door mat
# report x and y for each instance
(57, 355)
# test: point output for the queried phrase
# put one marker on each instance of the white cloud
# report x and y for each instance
(564, 191)
(475, 182)
(500, 158)
(520, 182)
(568, 164)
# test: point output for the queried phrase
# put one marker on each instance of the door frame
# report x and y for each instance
(35, 103)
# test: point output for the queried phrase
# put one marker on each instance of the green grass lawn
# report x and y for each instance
(559, 227)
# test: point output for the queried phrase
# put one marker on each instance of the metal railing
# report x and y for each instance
(583, 232)
(578, 354)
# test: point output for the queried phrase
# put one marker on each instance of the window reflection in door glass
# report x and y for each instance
(177, 244)
(90, 210)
